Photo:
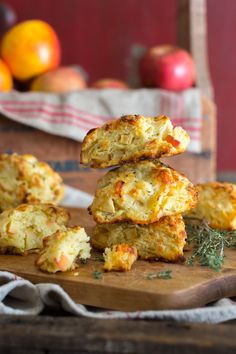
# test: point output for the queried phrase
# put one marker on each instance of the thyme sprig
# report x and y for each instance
(163, 274)
(208, 244)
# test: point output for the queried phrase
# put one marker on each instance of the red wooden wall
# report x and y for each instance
(222, 55)
(97, 34)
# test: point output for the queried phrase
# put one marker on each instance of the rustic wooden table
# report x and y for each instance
(66, 334)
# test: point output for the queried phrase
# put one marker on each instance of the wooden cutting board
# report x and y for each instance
(190, 286)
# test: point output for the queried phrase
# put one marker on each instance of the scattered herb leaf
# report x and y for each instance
(208, 244)
(97, 274)
(84, 261)
(99, 258)
(163, 274)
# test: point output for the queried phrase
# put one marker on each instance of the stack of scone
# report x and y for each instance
(140, 202)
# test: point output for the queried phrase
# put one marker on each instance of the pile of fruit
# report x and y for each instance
(30, 54)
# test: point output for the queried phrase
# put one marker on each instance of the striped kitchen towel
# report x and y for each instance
(71, 115)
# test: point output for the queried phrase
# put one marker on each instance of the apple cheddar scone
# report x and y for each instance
(216, 205)
(142, 193)
(24, 179)
(23, 229)
(62, 249)
(164, 239)
(131, 138)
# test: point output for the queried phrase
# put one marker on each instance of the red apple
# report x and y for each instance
(167, 67)
(62, 79)
(109, 84)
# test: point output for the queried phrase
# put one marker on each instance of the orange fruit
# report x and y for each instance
(30, 48)
(109, 84)
(5, 77)
(62, 79)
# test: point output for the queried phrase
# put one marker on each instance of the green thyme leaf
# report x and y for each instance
(99, 258)
(97, 274)
(83, 261)
(164, 274)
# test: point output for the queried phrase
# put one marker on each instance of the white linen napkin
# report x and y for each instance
(76, 198)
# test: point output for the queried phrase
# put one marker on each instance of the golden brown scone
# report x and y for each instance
(61, 250)
(120, 257)
(24, 228)
(24, 179)
(164, 239)
(142, 193)
(131, 138)
(217, 205)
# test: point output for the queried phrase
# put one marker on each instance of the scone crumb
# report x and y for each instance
(120, 257)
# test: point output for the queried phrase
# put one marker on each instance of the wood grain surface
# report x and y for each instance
(57, 335)
(190, 286)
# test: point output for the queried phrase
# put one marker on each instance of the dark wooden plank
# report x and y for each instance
(81, 335)
(192, 35)
(5, 350)
(200, 168)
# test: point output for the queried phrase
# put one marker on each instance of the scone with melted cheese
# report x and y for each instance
(131, 138)
(164, 239)
(217, 205)
(61, 250)
(24, 179)
(24, 228)
(120, 257)
(142, 193)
